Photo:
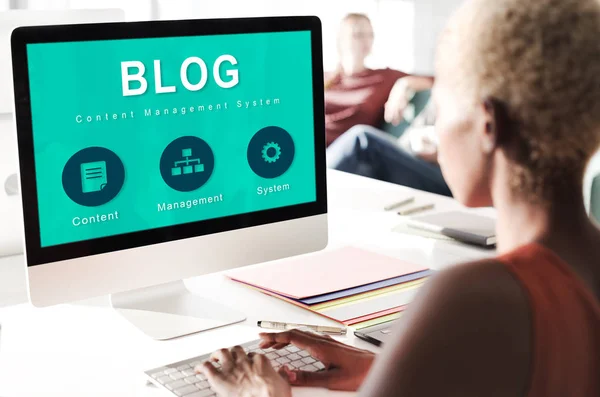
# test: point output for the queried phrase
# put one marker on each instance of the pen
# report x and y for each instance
(414, 210)
(288, 326)
(399, 204)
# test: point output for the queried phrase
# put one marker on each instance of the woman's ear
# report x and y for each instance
(496, 125)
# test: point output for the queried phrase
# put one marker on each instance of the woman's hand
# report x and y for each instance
(244, 376)
(345, 367)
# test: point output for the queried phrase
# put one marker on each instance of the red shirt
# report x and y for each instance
(357, 99)
(565, 320)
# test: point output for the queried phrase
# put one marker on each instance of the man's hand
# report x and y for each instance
(402, 93)
(424, 145)
(397, 102)
(345, 367)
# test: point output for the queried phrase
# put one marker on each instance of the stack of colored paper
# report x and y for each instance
(352, 286)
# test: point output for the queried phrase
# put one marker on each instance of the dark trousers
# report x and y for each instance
(367, 151)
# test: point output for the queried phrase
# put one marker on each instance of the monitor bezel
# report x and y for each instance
(21, 37)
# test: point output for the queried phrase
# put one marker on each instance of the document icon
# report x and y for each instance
(93, 176)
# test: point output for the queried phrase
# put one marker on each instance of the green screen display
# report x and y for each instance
(138, 134)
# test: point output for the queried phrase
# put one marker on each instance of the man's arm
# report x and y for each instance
(400, 95)
(468, 335)
(418, 83)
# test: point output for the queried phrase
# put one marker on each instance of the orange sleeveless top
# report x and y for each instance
(565, 324)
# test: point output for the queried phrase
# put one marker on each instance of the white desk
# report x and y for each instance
(86, 349)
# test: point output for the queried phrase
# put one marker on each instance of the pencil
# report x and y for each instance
(414, 210)
(399, 204)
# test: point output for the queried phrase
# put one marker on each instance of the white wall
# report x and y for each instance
(392, 22)
(430, 18)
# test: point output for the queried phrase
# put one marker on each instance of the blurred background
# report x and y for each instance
(405, 30)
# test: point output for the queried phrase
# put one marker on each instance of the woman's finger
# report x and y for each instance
(298, 338)
(212, 374)
(262, 364)
(287, 374)
(279, 346)
(217, 380)
(317, 345)
(239, 355)
(224, 357)
(311, 379)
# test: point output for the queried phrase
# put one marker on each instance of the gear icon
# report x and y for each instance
(271, 152)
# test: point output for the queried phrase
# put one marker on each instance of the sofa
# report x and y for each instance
(591, 187)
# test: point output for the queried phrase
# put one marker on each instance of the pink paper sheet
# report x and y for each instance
(322, 273)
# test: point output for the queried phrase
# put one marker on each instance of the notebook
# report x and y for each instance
(461, 226)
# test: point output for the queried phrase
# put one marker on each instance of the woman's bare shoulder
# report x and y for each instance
(470, 330)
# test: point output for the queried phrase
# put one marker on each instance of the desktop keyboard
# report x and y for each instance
(180, 379)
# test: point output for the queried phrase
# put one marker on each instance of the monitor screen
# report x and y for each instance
(138, 134)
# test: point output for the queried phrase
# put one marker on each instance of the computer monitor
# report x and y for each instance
(10, 241)
(9, 20)
(151, 152)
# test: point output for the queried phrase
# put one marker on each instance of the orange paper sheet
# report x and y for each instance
(375, 315)
(323, 273)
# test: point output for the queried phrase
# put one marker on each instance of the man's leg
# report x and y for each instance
(366, 151)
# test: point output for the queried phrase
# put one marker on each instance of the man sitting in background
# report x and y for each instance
(410, 160)
(355, 94)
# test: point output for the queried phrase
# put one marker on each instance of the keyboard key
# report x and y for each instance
(272, 356)
(202, 385)
(283, 360)
(200, 377)
(164, 379)
(176, 384)
(309, 368)
(188, 372)
(294, 357)
(177, 375)
(274, 363)
(304, 353)
(182, 367)
(169, 371)
(292, 349)
(186, 390)
(297, 364)
(308, 360)
(203, 393)
(252, 348)
(159, 372)
(319, 365)
(196, 363)
(190, 380)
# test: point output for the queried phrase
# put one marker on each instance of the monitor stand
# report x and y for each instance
(171, 310)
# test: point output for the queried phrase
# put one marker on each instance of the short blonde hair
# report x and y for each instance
(541, 60)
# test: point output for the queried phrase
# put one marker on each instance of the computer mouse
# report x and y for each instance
(12, 185)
